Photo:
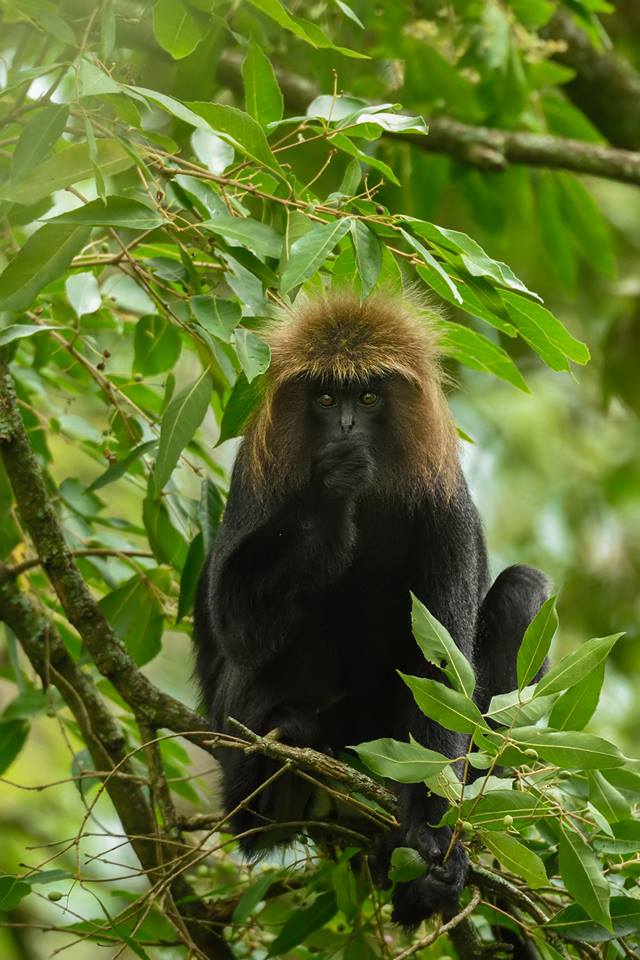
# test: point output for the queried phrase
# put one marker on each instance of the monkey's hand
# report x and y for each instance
(439, 888)
(343, 467)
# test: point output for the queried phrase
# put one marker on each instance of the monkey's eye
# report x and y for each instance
(368, 398)
(326, 400)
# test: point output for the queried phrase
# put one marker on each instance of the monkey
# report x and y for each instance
(346, 497)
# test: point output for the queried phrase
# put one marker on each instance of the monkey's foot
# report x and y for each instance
(441, 887)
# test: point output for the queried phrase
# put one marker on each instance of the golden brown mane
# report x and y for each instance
(336, 337)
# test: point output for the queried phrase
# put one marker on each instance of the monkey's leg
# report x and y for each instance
(507, 610)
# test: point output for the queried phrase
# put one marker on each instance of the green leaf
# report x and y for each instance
(476, 351)
(218, 317)
(573, 922)
(582, 876)
(303, 29)
(156, 344)
(67, 167)
(12, 891)
(516, 858)
(44, 257)
(246, 232)
(179, 423)
(489, 811)
(439, 648)
(92, 81)
(368, 255)
(13, 736)
(536, 642)
(452, 710)
(402, 762)
(342, 142)
(83, 293)
(518, 708)
(574, 709)
(240, 130)
(309, 252)
(37, 138)
(115, 212)
(166, 542)
(431, 261)
(571, 749)
(253, 895)
(605, 798)
(244, 398)
(189, 578)
(253, 353)
(302, 923)
(116, 470)
(134, 611)
(262, 94)
(406, 865)
(577, 665)
(18, 331)
(544, 333)
(345, 888)
(175, 29)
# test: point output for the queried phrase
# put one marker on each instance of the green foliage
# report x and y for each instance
(166, 187)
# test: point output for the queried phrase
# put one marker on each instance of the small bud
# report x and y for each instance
(533, 754)
(55, 895)
(380, 209)
(202, 870)
(138, 377)
(100, 366)
(467, 826)
(106, 354)
(507, 820)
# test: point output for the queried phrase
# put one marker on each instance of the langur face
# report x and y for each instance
(342, 410)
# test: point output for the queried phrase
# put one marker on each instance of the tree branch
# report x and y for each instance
(486, 148)
(107, 746)
(605, 88)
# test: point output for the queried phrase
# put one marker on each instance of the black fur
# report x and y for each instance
(303, 619)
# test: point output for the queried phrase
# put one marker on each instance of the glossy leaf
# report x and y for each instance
(476, 351)
(37, 138)
(368, 255)
(134, 611)
(516, 858)
(544, 332)
(262, 94)
(114, 212)
(439, 648)
(403, 762)
(179, 423)
(67, 167)
(576, 665)
(536, 642)
(176, 30)
(44, 257)
(574, 923)
(253, 353)
(581, 873)
(309, 252)
(574, 709)
(13, 736)
(156, 345)
(450, 709)
(571, 749)
(240, 130)
(83, 293)
(246, 232)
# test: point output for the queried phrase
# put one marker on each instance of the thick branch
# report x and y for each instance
(107, 746)
(606, 88)
(486, 148)
(80, 607)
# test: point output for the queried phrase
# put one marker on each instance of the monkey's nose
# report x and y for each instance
(347, 422)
